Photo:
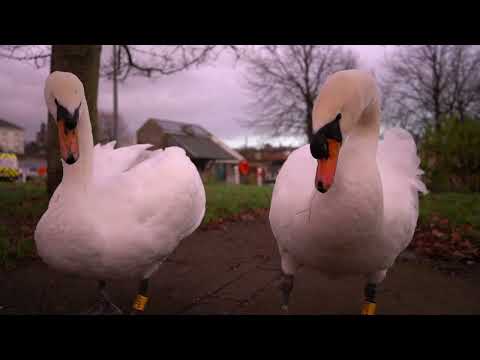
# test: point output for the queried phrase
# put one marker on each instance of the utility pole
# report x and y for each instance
(115, 94)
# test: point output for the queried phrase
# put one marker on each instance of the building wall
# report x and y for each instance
(223, 172)
(32, 163)
(151, 133)
(12, 140)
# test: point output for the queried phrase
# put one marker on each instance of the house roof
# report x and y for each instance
(268, 154)
(200, 148)
(196, 141)
(181, 128)
(5, 123)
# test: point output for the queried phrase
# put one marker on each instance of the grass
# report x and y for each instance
(225, 200)
(458, 208)
(20, 209)
(21, 206)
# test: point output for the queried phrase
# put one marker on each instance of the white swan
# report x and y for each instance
(117, 214)
(346, 204)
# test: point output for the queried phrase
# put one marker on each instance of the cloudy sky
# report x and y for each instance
(211, 96)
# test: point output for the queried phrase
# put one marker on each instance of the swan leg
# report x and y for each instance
(286, 286)
(288, 268)
(369, 305)
(104, 305)
(141, 299)
(370, 292)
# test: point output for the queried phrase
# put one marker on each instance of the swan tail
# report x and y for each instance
(398, 151)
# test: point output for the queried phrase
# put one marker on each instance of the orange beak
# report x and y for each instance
(326, 167)
(68, 141)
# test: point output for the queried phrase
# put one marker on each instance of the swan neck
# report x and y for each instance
(366, 131)
(355, 190)
(81, 172)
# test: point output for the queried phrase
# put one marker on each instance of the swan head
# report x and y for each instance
(337, 110)
(64, 95)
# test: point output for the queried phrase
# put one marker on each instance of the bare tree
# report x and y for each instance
(285, 81)
(39, 55)
(144, 60)
(464, 89)
(155, 61)
(84, 61)
(107, 132)
(424, 83)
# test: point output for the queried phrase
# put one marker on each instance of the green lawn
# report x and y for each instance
(226, 200)
(20, 208)
(458, 208)
(22, 205)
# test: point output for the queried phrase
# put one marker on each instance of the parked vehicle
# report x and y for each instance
(9, 169)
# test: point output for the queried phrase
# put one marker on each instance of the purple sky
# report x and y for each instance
(211, 96)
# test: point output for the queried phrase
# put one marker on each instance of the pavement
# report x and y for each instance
(235, 270)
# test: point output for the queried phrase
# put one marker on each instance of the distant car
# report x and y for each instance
(33, 173)
(30, 173)
(9, 169)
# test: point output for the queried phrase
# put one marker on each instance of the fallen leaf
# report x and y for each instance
(456, 237)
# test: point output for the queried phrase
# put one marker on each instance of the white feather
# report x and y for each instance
(369, 214)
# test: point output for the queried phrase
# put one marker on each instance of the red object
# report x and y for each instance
(244, 167)
(42, 171)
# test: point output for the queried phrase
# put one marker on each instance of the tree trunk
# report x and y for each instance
(461, 112)
(308, 120)
(83, 61)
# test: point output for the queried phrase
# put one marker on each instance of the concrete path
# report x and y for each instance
(235, 270)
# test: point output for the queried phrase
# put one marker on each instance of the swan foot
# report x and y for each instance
(141, 300)
(286, 286)
(104, 306)
(370, 305)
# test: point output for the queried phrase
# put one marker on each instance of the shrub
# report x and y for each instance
(450, 156)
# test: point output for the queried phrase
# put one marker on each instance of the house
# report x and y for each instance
(270, 159)
(11, 138)
(212, 157)
(34, 160)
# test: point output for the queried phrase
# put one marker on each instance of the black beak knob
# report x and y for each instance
(70, 160)
(321, 188)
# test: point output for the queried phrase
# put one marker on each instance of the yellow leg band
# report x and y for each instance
(369, 308)
(140, 302)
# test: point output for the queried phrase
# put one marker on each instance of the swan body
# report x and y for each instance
(368, 215)
(118, 213)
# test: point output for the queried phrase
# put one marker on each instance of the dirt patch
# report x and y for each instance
(439, 240)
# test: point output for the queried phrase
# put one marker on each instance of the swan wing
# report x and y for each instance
(399, 168)
(167, 194)
(108, 161)
(292, 191)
